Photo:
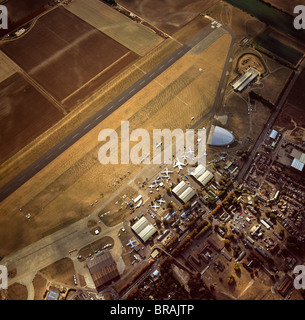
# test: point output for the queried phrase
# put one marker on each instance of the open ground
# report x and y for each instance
(129, 33)
(168, 15)
(21, 105)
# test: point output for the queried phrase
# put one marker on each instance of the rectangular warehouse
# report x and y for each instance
(103, 270)
(201, 175)
(245, 79)
(144, 229)
(184, 192)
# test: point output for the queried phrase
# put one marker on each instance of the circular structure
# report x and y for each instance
(220, 137)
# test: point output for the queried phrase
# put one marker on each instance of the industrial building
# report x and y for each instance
(298, 161)
(103, 269)
(201, 175)
(219, 136)
(184, 192)
(242, 82)
(144, 229)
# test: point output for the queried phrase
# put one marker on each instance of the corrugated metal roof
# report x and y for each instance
(273, 134)
(144, 229)
(184, 192)
(187, 195)
(204, 177)
(180, 188)
(297, 164)
(102, 269)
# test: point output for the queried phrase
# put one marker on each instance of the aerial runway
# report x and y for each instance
(102, 114)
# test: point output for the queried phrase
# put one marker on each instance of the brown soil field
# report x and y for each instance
(7, 67)
(119, 27)
(24, 115)
(17, 291)
(167, 15)
(62, 52)
(61, 270)
(297, 95)
(21, 12)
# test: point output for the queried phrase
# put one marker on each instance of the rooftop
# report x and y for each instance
(220, 137)
(144, 229)
(103, 269)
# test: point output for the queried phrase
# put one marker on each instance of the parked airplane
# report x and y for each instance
(152, 186)
(178, 164)
(155, 206)
(185, 156)
(167, 172)
(157, 180)
(131, 243)
(161, 201)
(158, 145)
(191, 152)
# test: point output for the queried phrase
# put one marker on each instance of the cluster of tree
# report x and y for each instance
(198, 289)
(110, 2)
(231, 280)
(293, 244)
(225, 183)
(135, 277)
(187, 241)
(271, 215)
(204, 230)
(254, 96)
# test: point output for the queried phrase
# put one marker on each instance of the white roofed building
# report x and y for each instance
(144, 229)
(219, 136)
(201, 175)
(184, 192)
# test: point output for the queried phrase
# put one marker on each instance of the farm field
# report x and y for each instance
(23, 116)
(21, 12)
(75, 179)
(59, 50)
(7, 67)
(168, 15)
(271, 42)
(117, 26)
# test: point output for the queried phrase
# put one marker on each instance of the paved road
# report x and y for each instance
(103, 113)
